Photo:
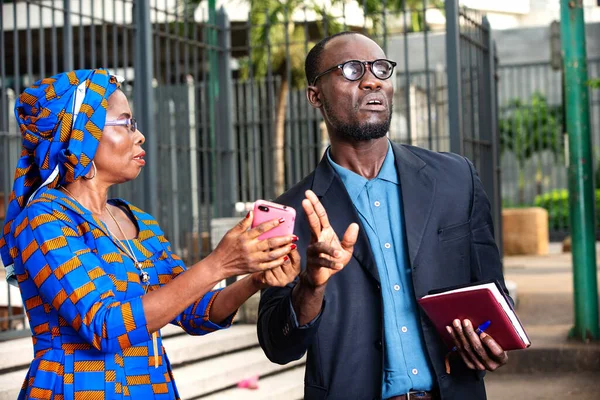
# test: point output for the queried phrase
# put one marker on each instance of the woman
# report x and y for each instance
(97, 276)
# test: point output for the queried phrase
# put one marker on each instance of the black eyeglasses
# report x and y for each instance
(130, 123)
(353, 70)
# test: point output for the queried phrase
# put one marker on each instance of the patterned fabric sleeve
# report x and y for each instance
(195, 319)
(69, 276)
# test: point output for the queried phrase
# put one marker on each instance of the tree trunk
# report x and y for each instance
(279, 172)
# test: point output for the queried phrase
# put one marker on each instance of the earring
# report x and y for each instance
(95, 172)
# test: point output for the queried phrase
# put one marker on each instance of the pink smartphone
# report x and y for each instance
(266, 211)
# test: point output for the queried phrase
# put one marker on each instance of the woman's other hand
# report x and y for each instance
(241, 252)
(279, 276)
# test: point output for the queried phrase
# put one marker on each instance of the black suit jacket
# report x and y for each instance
(450, 242)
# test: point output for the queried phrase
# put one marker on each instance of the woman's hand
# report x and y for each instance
(241, 252)
(279, 276)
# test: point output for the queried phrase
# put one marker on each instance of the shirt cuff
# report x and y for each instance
(294, 318)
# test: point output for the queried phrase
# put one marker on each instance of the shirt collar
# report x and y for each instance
(355, 183)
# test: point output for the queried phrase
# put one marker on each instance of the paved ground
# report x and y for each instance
(554, 367)
(580, 386)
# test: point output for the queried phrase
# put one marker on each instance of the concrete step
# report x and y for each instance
(216, 374)
(552, 352)
(184, 349)
(287, 385)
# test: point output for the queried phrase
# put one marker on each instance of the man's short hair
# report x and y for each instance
(313, 59)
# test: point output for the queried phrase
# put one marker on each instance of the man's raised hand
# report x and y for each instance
(326, 255)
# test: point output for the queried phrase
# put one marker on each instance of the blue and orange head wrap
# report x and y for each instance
(61, 120)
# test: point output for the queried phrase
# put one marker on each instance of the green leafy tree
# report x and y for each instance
(415, 10)
(270, 20)
(529, 128)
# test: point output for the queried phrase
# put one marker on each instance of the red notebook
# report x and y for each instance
(479, 303)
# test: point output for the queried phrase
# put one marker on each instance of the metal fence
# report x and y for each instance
(222, 102)
(532, 139)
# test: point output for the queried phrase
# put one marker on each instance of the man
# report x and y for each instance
(410, 221)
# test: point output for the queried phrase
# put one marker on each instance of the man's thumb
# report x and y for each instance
(350, 236)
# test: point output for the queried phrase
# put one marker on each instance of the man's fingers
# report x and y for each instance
(478, 350)
(318, 207)
(320, 262)
(494, 349)
(318, 248)
(458, 346)
(312, 217)
(350, 236)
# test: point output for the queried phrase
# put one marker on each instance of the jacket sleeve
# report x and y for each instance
(70, 277)
(279, 334)
(485, 257)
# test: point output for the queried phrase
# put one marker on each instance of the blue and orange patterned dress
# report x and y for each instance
(83, 298)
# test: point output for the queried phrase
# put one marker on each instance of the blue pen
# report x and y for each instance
(480, 329)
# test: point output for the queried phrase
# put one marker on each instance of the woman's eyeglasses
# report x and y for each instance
(130, 123)
(353, 70)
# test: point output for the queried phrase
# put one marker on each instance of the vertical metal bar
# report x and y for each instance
(473, 75)
(454, 77)
(104, 36)
(3, 105)
(54, 42)
(270, 108)
(581, 186)
(93, 35)
(487, 134)
(427, 78)
(81, 31)
(255, 155)
(16, 48)
(125, 45)
(406, 76)
(384, 27)
(28, 46)
(213, 90)
(42, 45)
(144, 99)
(292, 153)
(67, 53)
(228, 165)
(115, 39)
(307, 107)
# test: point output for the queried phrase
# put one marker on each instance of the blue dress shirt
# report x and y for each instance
(379, 205)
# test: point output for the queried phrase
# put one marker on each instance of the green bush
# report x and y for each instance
(557, 204)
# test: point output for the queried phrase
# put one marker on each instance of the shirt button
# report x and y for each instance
(414, 371)
(404, 329)
(387, 245)
(396, 287)
(377, 204)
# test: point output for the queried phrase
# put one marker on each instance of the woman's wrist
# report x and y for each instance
(257, 281)
(211, 269)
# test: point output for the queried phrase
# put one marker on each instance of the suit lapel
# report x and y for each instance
(418, 193)
(341, 212)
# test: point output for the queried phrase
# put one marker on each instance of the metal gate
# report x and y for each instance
(220, 98)
(472, 99)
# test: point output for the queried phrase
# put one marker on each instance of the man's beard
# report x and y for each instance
(357, 131)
